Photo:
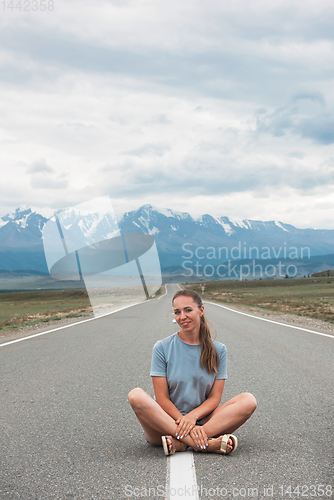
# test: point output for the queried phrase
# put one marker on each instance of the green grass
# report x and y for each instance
(18, 309)
(312, 297)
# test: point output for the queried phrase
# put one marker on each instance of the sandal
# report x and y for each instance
(173, 450)
(223, 444)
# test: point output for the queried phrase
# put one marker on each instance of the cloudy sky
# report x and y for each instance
(213, 107)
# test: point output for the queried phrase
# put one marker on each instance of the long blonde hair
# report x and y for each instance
(209, 356)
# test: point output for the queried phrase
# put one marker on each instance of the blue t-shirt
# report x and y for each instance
(188, 384)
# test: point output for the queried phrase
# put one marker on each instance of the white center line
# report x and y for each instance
(182, 477)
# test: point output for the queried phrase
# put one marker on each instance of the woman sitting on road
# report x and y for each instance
(188, 373)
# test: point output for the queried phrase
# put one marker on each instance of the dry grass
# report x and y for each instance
(19, 309)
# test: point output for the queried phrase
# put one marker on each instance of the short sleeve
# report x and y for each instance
(222, 367)
(158, 365)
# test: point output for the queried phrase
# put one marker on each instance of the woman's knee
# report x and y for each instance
(136, 396)
(249, 402)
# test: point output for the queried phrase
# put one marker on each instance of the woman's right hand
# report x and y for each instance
(185, 424)
(199, 437)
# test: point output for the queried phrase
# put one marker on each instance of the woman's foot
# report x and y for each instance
(173, 445)
(178, 445)
(215, 444)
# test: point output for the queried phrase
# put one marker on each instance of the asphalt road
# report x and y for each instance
(68, 432)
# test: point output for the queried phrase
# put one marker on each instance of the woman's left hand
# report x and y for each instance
(199, 437)
(185, 424)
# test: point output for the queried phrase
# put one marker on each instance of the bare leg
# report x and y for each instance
(225, 419)
(154, 420)
(228, 417)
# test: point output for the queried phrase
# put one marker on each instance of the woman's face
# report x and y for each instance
(187, 314)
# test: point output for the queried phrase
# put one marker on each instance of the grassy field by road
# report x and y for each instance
(312, 297)
(19, 309)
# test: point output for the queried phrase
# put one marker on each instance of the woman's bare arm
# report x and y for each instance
(162, 397)
(211, 403)
(187, 423)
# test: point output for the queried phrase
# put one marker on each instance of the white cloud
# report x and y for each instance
(39, 166)
(226, 109)
(41, 182)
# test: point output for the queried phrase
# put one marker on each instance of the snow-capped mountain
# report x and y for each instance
(21, 229)
(172, 230)
(179, 237)
(83, 227)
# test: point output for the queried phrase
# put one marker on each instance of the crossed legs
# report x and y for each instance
(225, 419)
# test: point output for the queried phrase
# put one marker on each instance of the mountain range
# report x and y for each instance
(187, 246)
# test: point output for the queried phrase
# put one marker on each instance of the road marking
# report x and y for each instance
(181, 474)
(269, 320)
(72, 324)
(164, 293)
(182, 477)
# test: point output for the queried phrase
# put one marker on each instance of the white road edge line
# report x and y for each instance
(77, 323)
(269, 320)
(164, 293)
(72, 324)
(181, 476)
(166, 290)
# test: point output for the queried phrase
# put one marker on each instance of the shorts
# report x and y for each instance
(147, 441)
